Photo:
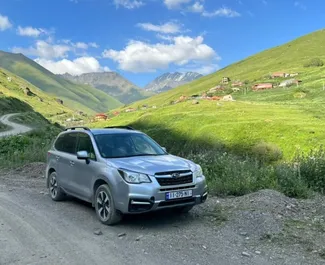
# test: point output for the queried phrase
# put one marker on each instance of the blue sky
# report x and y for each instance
(142, 39)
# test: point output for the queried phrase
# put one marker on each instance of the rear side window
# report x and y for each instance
(67, 143)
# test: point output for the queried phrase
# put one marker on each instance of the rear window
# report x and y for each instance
(67, 143)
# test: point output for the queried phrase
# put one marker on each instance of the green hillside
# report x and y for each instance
(291, 118)
(289, 57)
(18, 95)
(78, 97)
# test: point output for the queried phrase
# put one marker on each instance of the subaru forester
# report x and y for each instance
(120, 171)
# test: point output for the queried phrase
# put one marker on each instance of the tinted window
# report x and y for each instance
(67, 143)
(85, 144)
(128, 144)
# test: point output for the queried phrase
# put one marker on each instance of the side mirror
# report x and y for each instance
(164, 148)
(82, 155)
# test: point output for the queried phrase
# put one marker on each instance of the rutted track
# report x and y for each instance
(36, 230)
(15, 128)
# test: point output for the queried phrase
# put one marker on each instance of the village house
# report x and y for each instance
(279, 74)
(225, 80)
(130, 110)
(237, 84)
(262, 86)
(228, 98)
(116, 113)
(216, 88)
(101, 117)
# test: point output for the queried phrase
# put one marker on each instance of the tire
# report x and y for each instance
(105, 206)
(56, 193)
(184, 209)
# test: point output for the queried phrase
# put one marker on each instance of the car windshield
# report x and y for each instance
(127, 145)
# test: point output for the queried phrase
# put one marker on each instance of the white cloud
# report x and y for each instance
(167, 28)
(30, 31)
(4, 23)
(165, 37)
(78, 66)
(175, 4)
(45, 50)
(139, 56)
(222, 12)
(129, 4)
(81, 45)
(197, 7)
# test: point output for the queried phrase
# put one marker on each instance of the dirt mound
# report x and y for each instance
(261, 214)
(32, 170)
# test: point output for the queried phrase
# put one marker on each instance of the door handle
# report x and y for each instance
(71, 163)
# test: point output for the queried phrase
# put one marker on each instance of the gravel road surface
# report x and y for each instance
(15, 128)
(36, 230)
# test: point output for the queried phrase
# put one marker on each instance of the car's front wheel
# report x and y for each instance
(57, 194)
(105, 206)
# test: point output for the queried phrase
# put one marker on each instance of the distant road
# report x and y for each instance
(15, 128)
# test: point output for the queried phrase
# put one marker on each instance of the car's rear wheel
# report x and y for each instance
(57, 194)
(105, 206)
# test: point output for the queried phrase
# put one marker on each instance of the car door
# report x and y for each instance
(84, 170)
(66, 157)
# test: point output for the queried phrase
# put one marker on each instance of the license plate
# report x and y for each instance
(178, 194)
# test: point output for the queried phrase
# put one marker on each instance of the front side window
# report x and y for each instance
(127, 145)
(67, 143)
(85, 144)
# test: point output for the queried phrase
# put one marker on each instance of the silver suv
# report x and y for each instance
(121, 171)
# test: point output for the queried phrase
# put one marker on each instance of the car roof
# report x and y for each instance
(104, 131)
(113, 131)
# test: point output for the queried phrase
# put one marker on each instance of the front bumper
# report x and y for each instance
(151, 196)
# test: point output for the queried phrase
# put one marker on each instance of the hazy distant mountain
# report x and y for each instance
(111, 83)
(171, 80)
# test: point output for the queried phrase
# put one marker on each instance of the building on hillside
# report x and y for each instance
(228, 98)
(262, 86)
(116, 113)
(225, 80)
(237, 84)
(293, 74)
(101, 117)
(279, 74)
(130, 110)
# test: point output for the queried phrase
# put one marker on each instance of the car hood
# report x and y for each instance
(152, 164)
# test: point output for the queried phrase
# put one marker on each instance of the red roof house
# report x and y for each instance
(262, 86)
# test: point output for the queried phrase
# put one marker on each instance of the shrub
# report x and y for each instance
(267, 152)
(312, 169)
(315, 62)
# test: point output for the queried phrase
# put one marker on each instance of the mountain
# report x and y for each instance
(79, 97)
(292, 118)
(111, 83)
(168, 81)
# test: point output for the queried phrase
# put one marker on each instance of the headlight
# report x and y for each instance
(134, 177)
(197, 172)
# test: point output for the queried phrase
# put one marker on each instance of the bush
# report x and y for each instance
(315, 62)
(312, 169)
(267, 152)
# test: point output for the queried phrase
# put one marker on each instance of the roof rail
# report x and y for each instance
(77, 127)
(119, 127)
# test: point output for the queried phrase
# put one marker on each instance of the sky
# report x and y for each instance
(142, 39)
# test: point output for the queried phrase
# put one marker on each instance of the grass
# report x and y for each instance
(77, 97)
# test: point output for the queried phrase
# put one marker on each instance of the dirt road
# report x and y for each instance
(15, 128)
(36, 230)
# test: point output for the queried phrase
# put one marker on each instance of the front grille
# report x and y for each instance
(166, 179)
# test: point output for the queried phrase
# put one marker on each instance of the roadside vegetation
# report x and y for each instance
(30, 147)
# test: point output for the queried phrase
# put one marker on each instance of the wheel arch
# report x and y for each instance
(101, 180)
(49, 172)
